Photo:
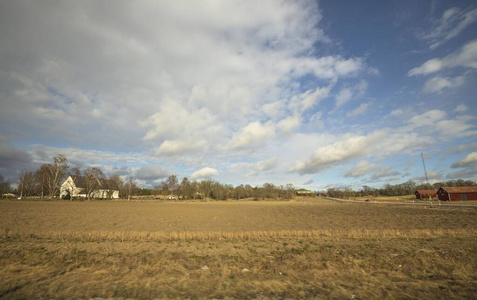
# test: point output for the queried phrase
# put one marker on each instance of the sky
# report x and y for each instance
(319, 94)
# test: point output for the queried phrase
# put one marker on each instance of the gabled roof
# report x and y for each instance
(460, 189)
(427, 191)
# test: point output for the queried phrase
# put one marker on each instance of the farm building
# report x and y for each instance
(426, 194)
(305, 193)
(458, 193)
(69, 190)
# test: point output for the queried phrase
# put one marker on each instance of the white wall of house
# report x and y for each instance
(69, 188)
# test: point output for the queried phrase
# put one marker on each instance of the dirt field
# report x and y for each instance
(297, 249)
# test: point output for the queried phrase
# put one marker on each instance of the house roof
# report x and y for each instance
(460, 189)
(426, 191)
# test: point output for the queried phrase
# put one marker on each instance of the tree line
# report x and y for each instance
(405, 188)
(46, 182)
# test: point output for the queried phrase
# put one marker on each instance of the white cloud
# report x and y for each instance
(385, 172)
(377, 144)
(253, 135)
(465, 57)
(461, 108)
(470, 159)
(175, 147)
(309, 99)
(361, 109)
(290, 123)
(429, 118)
(266, 165)
(152, 172)
(325, 157)
(343, 96)
(206, 172)
(458, 127)
(347, 93)
(450, 25)
(275, 109)
(437, 84)
(361, 169)
(468, 166)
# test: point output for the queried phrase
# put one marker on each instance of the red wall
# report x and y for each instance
(456, 196)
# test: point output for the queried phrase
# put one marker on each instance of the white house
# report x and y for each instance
(69, 189)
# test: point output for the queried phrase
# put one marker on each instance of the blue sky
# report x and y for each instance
(315, 93)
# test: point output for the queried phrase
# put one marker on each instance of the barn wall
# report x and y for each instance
(457, 196)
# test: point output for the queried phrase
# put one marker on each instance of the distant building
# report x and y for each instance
(457, 193)
(305, 193)
(426, 194)
(9, 195)
(69, 190)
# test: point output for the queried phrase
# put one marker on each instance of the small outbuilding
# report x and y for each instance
(426, 194)
(457, 193)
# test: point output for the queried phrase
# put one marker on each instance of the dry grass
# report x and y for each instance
(314, 249)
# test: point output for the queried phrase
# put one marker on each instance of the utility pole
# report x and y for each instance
(425, 172)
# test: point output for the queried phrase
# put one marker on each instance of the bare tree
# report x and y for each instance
(53, 173)
(26, 184)
(114, 182)
(130, 187)
(172, 183)
(4, 186)
(289, 191)
(92, 180)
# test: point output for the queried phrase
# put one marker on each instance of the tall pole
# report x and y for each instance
(425, 172)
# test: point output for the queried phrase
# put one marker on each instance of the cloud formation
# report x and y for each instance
(205, 173)
(466, 57)
(453, 21)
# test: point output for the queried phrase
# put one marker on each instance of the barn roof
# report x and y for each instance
(426, 191)
(460, 189)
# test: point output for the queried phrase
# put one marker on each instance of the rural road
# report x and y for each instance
(420, 203)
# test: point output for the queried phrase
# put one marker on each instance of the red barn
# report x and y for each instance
(426, 194)
(457, 193)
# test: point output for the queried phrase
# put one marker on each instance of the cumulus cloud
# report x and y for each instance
(325, 157)
(470, 159)
(467, 165)
(290, 123)
(210, 64)
(437, 84)
(436, 122)
(203, 173)
(253, 135)
(362, 168)
(152, 173)
(175, 147)
(465, 57)
(377, 144)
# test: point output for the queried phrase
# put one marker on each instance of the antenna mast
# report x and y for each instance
(425, 172)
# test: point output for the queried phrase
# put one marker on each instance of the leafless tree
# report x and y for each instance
(114, 182)
(53, 173)
(4, 185)
(172, 183)
(92, 179)
(26, 184)
(130, 187)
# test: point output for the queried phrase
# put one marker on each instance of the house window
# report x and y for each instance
(463, 197)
